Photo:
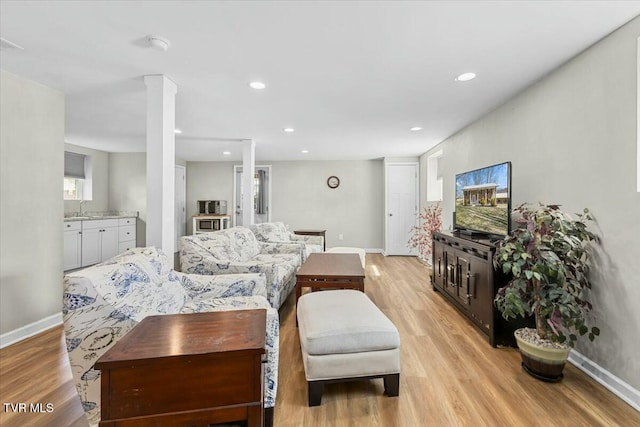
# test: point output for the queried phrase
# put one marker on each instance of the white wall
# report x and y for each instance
(128, 188)
(571, 139)
(302, 199)
(208, 181)
(31, 205)
(100, 181)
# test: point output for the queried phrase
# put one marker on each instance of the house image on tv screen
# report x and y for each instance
(484, 194)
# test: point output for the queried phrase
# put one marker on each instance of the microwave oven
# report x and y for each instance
(208, 224)
(203, 225)
(212, 207)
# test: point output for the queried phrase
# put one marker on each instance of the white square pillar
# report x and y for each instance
(161, 108)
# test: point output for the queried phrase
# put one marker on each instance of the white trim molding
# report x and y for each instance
(612, 383)
(374, 250)
(30, 330)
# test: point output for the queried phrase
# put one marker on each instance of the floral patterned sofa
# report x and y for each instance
(236, 250)
(104, 302)
(276, 232)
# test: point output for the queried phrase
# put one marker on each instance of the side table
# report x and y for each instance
(183, 369)
(314, 233)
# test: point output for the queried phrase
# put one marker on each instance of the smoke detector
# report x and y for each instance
(158, 43)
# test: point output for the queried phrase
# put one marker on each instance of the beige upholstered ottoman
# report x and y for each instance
(345, 337)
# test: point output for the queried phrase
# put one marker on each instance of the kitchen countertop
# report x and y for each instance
(91, 216)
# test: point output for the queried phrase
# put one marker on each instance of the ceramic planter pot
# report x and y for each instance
(541, 362)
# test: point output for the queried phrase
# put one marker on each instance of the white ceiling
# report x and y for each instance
(351, 77)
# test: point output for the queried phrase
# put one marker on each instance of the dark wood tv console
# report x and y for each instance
(464, 275)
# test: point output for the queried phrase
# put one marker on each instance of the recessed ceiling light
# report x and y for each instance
(226, 153)
(257, 85)
(466, 77)
(176, 130)
(289, 130)
(416, 128)
(304, 151)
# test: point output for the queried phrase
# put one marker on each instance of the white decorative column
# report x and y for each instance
(161, 108)
(248, 172)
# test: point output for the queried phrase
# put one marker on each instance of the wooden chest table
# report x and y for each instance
(186, 370)
(330, 271)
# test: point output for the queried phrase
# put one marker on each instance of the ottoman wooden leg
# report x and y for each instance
(315, 392)
(392, 384)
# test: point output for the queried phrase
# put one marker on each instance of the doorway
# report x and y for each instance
(261, 195)
(180, 216)
(401, 206)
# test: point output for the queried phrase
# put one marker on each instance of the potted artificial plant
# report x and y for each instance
(422, 234)
(548, 256)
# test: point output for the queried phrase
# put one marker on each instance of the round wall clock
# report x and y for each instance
(333, 182)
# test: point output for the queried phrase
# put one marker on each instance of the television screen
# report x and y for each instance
(483, 200)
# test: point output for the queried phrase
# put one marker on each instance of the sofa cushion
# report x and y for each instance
(150, 259)
(237, 244)
(201, 287)
(271, 232)
(343, 321)
(135, 284)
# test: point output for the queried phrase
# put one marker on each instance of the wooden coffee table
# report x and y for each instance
(186, 369)
(330, 271)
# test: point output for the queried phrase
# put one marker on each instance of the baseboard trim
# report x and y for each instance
(374, 251)
(30, 330)
(612, 383)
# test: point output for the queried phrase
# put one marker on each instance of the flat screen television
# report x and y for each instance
(483, 201)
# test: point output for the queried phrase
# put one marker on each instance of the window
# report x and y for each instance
(77, 176)
(434, 177)
(73, 188)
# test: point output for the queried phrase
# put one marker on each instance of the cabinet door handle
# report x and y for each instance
(439, 268)
(468, 285)
(451, 276)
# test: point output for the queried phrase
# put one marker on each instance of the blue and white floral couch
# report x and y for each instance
(276, 232)
(104, 302)
(236, 250)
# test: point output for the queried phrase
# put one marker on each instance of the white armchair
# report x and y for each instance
(276, 232)
(104, 302)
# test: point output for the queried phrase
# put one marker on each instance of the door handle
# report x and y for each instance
(390, 214)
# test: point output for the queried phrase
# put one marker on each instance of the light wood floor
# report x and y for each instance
(450, 375)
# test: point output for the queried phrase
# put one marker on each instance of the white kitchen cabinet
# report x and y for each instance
(99, 240)
(126, 234)
(72, 237)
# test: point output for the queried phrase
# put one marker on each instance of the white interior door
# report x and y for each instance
(402, 206)
(237, 195)
(262, 204)
(180, 216)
